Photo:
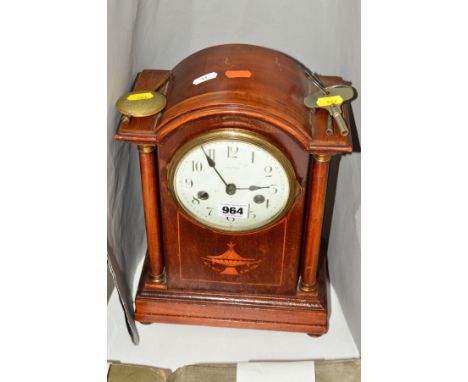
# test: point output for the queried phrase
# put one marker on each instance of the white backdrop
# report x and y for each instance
(322, 34)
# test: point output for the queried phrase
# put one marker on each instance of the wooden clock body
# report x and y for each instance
(272, 278)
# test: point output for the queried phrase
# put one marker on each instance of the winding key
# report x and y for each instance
(143, 103)
(331, 101)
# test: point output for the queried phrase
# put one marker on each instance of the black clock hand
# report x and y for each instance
(212, 164)
(252, 188)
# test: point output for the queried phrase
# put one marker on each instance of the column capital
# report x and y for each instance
(146, 149)
(321, 157)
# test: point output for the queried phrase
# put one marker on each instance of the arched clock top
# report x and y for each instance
(238, 80)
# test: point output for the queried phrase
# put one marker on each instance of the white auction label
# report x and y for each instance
(205, 77)
(300, 371)
(233, 210)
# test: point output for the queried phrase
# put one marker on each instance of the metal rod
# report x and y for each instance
(316, 80)
(163, 80)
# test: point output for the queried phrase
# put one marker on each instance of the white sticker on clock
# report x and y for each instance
(205, 77)
(240, 211)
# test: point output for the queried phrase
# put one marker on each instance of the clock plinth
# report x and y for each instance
(299, 312)
(226, 150)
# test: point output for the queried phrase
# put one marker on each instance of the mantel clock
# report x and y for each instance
(234, 146)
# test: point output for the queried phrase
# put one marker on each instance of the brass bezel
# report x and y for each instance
(239, 135)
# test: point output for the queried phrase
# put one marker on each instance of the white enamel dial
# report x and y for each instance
(232, 182)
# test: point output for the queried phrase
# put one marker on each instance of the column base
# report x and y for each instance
(308, 288)
(159, 279)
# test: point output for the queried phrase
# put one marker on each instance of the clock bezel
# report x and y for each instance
(240, 135)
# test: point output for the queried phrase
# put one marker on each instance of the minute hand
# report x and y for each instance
(212, 164)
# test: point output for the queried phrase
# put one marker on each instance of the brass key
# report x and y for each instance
(332, 101)
(329, 130)
(142, 103)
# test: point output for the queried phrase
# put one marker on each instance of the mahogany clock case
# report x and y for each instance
(276, 248)
(266, 97)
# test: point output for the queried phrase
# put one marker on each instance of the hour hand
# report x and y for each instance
(253, 188)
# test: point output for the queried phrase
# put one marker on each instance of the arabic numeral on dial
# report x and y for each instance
(267, 204)
(189, 183)
(210, 210)
(253, 157)
(274, 189)
(195, 200)
(230, 218)
(252, 215)
(211, 153)
(197, 166)
(232, 151)
(268, 170)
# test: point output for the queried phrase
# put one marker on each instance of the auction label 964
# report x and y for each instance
(233, 210)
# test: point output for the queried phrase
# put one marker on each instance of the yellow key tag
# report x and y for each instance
(141, 103)
(140, 96)
(327, 101)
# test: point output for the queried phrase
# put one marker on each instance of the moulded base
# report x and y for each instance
(300, 312)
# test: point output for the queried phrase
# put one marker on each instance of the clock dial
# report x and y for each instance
(232, 181)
